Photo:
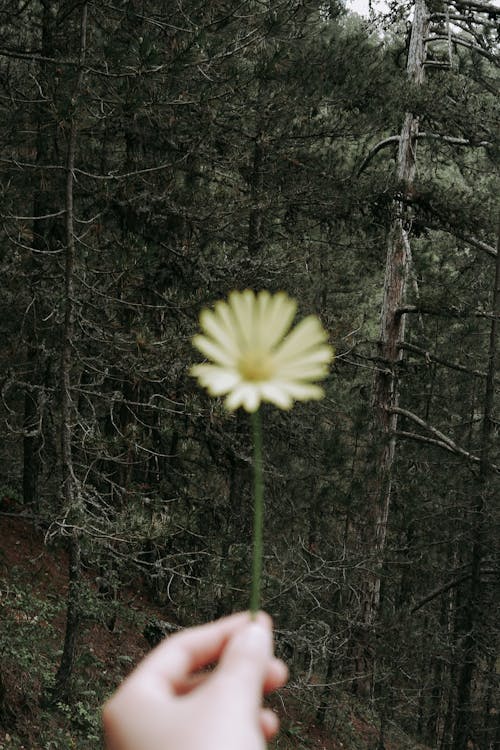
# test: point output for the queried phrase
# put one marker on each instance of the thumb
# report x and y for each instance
(244, 663)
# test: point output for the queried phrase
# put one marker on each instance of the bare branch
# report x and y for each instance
(61, 167)
(394, 139)
(481, 7)
(460, 17)
(450, 312)
(440, 438)
(424, 439)
(475, 242)
(453, 140)
(470, 45)
(34, 218)
(440, 590)
(429, 357)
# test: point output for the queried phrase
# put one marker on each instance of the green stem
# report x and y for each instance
(258, 512)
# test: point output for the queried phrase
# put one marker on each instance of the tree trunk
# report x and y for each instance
(490, 702)
(433, 716)
(385, 386)
(43, 242)
(473, 613)
(61, 690)
(256, 186)
(31, 436)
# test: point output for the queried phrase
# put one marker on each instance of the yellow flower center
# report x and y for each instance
(256, 365)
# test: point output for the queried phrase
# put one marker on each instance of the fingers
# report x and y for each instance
(276, 676)
(192, 649)
(244, 662)
(242, 649)
(269, 723)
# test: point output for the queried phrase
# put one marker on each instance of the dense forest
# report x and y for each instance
(155, 156)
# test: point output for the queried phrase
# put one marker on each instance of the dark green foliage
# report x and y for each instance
(229, 146)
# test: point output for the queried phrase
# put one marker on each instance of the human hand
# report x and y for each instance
(168, 704)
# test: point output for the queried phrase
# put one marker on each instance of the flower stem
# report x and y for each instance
(258, 512)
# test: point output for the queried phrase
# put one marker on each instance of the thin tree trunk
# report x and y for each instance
(61, 690)
(385, 387)
(42, 242)
(256, 186)
(473, 606)
(433, 716)
(489, 704)
(31, 437)
(325, 698)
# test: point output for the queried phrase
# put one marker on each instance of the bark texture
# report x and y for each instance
(385, 384)
(71, 500)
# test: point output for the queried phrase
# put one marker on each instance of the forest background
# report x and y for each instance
(153, 159)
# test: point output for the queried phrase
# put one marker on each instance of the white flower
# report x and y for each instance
(253, 360)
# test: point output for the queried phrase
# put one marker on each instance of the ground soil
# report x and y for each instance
(28, 555)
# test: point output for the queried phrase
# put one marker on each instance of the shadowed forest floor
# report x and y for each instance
(33, 585)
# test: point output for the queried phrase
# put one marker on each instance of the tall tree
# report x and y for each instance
(385, 395)
(71, 495)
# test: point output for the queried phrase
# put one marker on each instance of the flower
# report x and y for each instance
(252, 357)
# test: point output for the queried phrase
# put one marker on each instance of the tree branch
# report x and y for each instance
(440, 438)
(481, 7)
(433, 358)
(459, 17)
(424, 439)
(465, 43)
(450, 312)
(394, 139)
(440, 590)
(479, 244)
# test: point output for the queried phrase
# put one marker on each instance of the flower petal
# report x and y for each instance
(308, 334)
(263, 303)
(305, 372)
(226, 318)
(253, 359)
(219, 329)
(303, 391)
(245, 395)
(217, 380)
(275, 320)
(274, 394)
(242, 305)
(213, 351)
(312, 364)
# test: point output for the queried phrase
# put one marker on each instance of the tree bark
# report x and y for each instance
(42, 242)
(256, 186)
(61, 690)
(473, 614)
(385, 388)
